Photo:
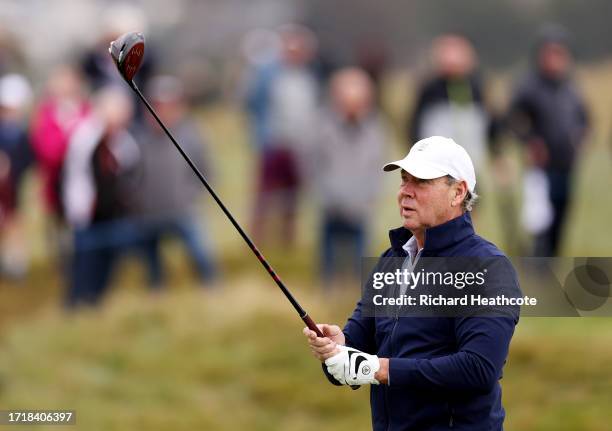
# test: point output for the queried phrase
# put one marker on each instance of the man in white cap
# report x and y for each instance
(427, 373)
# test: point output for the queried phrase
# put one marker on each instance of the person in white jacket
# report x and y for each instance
(96, 193)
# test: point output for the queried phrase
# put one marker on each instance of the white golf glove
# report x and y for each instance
(353, 367)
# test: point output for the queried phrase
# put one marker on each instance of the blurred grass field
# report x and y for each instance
(234, 358)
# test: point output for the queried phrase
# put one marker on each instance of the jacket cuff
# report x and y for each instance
(400, 370)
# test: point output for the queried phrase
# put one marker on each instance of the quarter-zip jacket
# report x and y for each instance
(443, 372)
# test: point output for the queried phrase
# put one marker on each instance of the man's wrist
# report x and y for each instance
(382, 375)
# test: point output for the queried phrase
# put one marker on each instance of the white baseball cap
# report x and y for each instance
(436, 157)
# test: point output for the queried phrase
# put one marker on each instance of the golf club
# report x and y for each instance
(127, 52)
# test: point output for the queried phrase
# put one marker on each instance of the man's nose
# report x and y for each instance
(407, 190)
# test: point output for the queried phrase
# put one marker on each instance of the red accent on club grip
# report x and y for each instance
(312, 326)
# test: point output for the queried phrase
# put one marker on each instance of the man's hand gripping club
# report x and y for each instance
(347, 365)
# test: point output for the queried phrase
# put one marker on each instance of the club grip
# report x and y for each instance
(312, 326)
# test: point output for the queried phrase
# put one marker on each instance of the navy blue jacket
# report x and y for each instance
(443, 372)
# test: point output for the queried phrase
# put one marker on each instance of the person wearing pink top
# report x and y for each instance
(55, 118)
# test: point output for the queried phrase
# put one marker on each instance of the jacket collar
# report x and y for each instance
(436, 238)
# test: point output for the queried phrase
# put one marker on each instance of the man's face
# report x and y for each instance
(554, 60)
(453, 56)
(297, 49)
(351, 92)
(426, 203)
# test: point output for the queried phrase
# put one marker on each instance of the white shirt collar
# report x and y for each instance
(412, 248)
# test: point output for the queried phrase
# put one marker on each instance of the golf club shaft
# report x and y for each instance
(303, 314)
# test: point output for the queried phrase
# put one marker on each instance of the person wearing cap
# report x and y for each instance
(15, 151)
(426, 373)
(15, 158)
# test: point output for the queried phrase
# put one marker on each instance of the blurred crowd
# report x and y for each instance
(113, 184)
(325, 128)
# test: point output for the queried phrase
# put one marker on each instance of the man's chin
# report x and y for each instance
(410, 224)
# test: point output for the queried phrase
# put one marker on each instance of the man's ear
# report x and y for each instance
(460, 189)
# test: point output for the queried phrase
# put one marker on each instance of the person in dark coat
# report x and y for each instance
(436, 372)
(549, 115)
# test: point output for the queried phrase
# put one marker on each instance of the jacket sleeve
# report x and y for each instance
(483, 344)
(359, 331)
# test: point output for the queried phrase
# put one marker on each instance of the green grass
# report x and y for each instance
(234, 358)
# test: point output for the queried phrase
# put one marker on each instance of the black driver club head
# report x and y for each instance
(127, 52)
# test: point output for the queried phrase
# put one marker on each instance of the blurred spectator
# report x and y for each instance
(15, 157)
(324, 64)
(12, 58)
(98, 193)
(261, 49)
(549, 115)
(283, 99)
(60, 111)
(372, 58)
(168, 189)
(451, 103)
(349, 140)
